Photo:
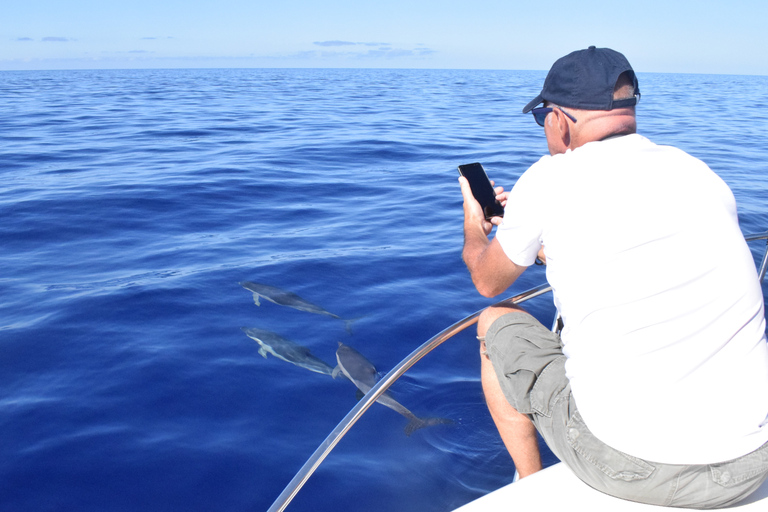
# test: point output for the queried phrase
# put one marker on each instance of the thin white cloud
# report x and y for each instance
(334, 43)
(127, 52)
(24, 39)
(393, 53)
(335, 49)
(348, 43)
(346, 51)
(56, 39)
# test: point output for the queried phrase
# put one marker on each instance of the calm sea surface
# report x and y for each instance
(132, 203)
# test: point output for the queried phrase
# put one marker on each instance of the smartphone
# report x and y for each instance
(482, 189)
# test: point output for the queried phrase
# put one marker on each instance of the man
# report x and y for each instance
(656, 390)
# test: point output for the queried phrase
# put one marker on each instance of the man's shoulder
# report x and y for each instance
(640, 142)
(633, 148)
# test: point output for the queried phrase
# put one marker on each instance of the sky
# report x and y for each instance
(674, 36)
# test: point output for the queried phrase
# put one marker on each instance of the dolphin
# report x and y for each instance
(286, 298)
(283, 298)
(363, 374)
(281, 348)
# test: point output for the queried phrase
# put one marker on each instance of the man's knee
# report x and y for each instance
(490, 315)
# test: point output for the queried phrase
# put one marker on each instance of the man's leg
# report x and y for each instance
(516, 430)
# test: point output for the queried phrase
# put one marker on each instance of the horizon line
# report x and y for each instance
(400, 68)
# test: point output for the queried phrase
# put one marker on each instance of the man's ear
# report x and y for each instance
(562, 130)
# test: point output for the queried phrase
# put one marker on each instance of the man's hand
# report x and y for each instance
(501, 197)
(492, 272)
(473, 212)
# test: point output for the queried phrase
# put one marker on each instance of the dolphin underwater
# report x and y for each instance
(286, 298)
(283, 298)
(363, 374)
(281, 348)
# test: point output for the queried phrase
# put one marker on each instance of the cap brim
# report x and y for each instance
(538, 99)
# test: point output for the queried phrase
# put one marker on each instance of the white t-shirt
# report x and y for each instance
(664, 321)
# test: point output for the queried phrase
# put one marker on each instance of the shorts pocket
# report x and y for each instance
(549, 387)
(734, 472)
(615, 464)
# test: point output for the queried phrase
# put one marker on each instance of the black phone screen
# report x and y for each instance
(482, 189)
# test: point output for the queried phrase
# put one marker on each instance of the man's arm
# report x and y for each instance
(491, 270)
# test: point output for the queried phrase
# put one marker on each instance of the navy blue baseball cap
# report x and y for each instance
(585, 80)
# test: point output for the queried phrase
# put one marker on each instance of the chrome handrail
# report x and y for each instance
(756, 236)
(764, 263)
(351, 418)
(335, 436)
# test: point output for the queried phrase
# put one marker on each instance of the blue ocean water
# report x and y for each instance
(133, 202)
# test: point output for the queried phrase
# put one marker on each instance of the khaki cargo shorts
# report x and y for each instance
(529, 363)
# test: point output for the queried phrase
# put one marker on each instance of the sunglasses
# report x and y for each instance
(541, 113)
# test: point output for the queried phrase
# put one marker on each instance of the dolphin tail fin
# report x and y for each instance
(417, 423)
(348, 323)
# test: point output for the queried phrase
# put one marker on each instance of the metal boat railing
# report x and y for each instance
(383, 385)
(764, 263)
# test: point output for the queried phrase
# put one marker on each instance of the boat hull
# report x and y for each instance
(557, 488)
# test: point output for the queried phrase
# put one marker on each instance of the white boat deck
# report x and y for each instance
(556, 488)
